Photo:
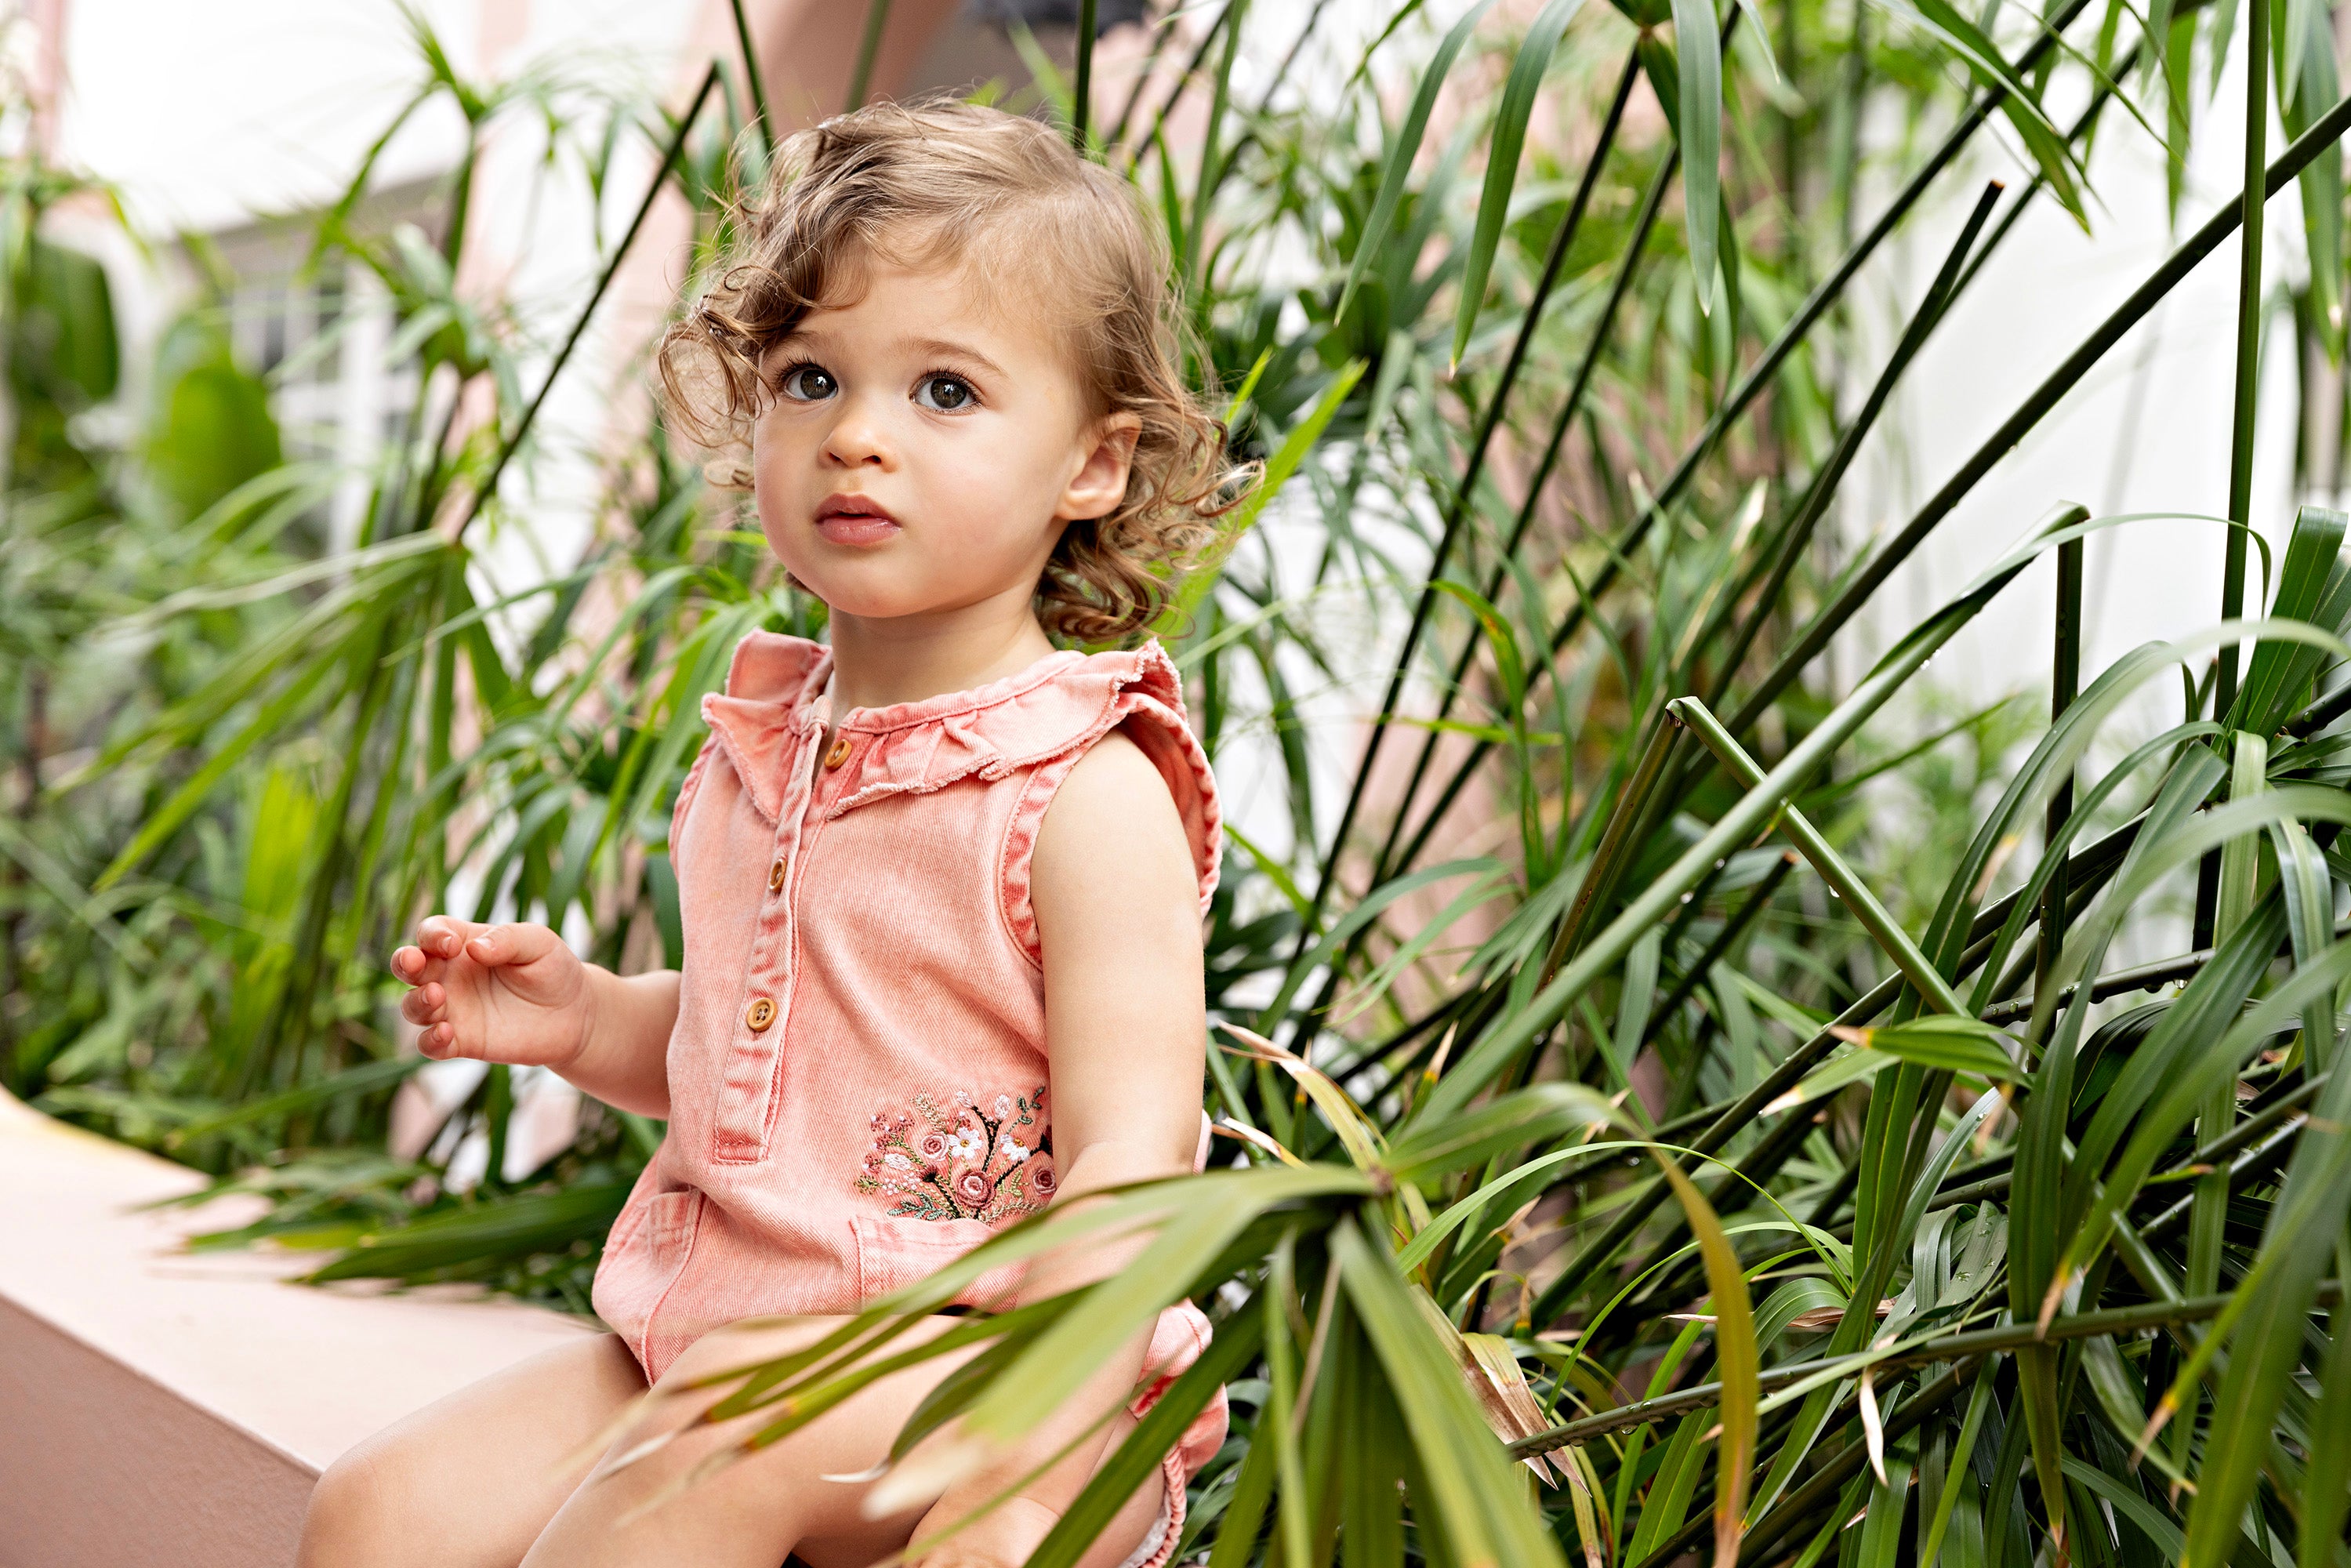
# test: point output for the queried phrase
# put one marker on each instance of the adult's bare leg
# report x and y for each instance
(471, 1480)
(753, 1512)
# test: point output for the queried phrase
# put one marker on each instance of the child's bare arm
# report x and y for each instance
(516, 994)
(1117, 904)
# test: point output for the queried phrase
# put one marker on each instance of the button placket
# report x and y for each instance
(748, 1087)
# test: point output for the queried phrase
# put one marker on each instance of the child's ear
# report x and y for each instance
(1100, 483)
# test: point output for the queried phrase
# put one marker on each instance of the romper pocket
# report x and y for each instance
(671, 1221)
(644, 1257)
(894, 1252)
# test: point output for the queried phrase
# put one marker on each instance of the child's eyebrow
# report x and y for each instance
(817, 340)
(949, 349)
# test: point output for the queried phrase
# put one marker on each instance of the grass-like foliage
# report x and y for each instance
(1676, 1102)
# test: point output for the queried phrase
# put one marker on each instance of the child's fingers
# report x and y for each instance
(428, 1004)
(445, 936)
(440, 1042)
(408, 965)
(497, 946)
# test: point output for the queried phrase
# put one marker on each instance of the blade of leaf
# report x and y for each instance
(1406, 150)
(1736, 1358)
(1478, 1504)
(1942, 1040)
(2327, 1490)
(1139, 1456)
(1504, 144)
(2274, 1300)
(1699, 52)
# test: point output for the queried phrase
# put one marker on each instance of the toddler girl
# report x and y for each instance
(941, 883)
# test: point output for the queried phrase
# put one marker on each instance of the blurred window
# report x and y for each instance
(321, 339)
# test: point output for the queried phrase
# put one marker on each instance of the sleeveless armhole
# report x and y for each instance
(1159, 730)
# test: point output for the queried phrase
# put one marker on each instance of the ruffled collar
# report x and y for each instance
(775, 707)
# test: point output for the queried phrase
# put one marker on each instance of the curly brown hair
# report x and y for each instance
(921, 184)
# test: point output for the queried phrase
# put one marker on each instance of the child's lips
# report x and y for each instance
(853, 521)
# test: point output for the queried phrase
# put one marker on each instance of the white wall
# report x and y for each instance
(2148, 430)
(206, 114)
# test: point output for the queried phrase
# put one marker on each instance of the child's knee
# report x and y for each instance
(356, 1513)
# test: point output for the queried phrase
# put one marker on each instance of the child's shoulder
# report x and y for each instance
(1115, 773)
(1116, 825)
(1140, 772)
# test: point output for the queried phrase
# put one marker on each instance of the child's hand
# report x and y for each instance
(501, 993)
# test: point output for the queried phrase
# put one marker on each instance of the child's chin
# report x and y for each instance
(863, 603)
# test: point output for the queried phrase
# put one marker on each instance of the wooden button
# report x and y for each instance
(839, 754)
(776, 877)
(759, 1014)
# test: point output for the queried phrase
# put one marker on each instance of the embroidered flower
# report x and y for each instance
(952, 1160)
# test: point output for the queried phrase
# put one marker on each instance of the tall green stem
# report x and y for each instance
(1456, 518)
(2248, 396)
(1081, 89)
(2064, 683)
(2249, 340)
(1758, 376)
(877, 20)
(1531, 501)
(2322, 134)
(751, 78)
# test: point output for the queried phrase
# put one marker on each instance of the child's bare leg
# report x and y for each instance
(470, 1481)
(774, 1503)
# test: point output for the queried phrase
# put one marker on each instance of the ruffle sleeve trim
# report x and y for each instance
(1145, 700)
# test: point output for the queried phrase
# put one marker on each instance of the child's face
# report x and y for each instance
(922, 451)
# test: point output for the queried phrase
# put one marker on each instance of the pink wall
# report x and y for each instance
(164, 1408)
(101, 1465)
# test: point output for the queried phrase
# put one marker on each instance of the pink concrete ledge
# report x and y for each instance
(161, 1409)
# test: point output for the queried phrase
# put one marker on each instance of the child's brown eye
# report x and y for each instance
(946, 394)
(808, 383)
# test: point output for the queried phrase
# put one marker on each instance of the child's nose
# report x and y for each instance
(858, 436)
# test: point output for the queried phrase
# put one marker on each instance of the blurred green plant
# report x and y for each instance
(1627, 1103)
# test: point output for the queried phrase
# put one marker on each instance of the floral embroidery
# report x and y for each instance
(959, 1161)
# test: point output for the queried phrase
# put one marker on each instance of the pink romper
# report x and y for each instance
(858, 1077)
